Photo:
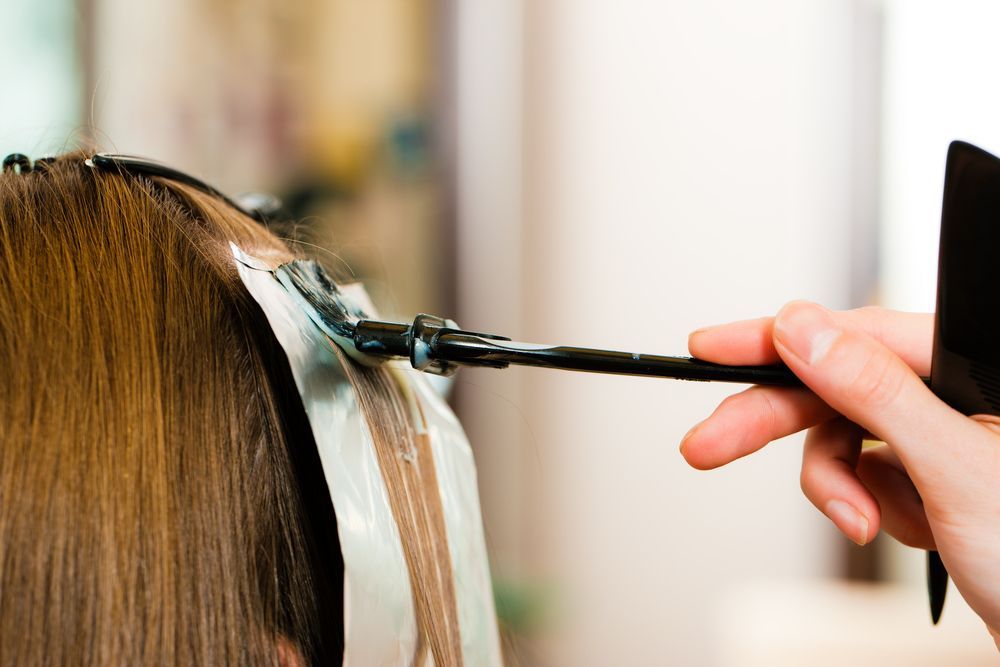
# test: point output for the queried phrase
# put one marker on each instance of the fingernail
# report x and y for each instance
(850, 521)
(807, 330)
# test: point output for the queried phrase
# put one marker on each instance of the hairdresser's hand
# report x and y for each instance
(936, 485)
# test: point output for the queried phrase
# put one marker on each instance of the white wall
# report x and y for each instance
(685, 163)
(490, 289)
(941, 60)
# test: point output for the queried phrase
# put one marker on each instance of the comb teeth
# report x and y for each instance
(988, 383)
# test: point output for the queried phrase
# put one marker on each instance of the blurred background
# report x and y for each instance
(576, 171)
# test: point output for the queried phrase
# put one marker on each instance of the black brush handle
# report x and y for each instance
(464, 348)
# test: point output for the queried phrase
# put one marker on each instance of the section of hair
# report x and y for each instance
(151, 485)
(148, 510)
(407, 465)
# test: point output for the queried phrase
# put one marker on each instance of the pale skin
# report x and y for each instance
(935, 484)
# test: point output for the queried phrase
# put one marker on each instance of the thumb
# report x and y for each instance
(870, 385)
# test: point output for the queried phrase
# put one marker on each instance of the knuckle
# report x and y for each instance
(808, 479)
(804, 479)
(878, 382)
(767, 414)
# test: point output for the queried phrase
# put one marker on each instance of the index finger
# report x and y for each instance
(750, 342)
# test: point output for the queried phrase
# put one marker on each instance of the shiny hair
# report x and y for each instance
(160, 500)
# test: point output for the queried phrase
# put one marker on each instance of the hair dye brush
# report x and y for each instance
(434, 344)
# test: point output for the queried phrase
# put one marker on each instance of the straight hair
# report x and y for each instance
(159, 495)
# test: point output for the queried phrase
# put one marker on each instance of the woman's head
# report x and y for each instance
(159, 498)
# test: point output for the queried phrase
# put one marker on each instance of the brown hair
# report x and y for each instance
(159, 500)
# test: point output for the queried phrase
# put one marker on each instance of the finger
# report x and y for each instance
(743, 343)
(909, 335)
(745, 422)
(903, 516)
(865, 381)
(750, 342)
(829, 481)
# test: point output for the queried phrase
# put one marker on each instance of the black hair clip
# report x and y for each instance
(258, 206)
(18, 163)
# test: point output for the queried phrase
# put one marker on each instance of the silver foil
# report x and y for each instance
(379, 623)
